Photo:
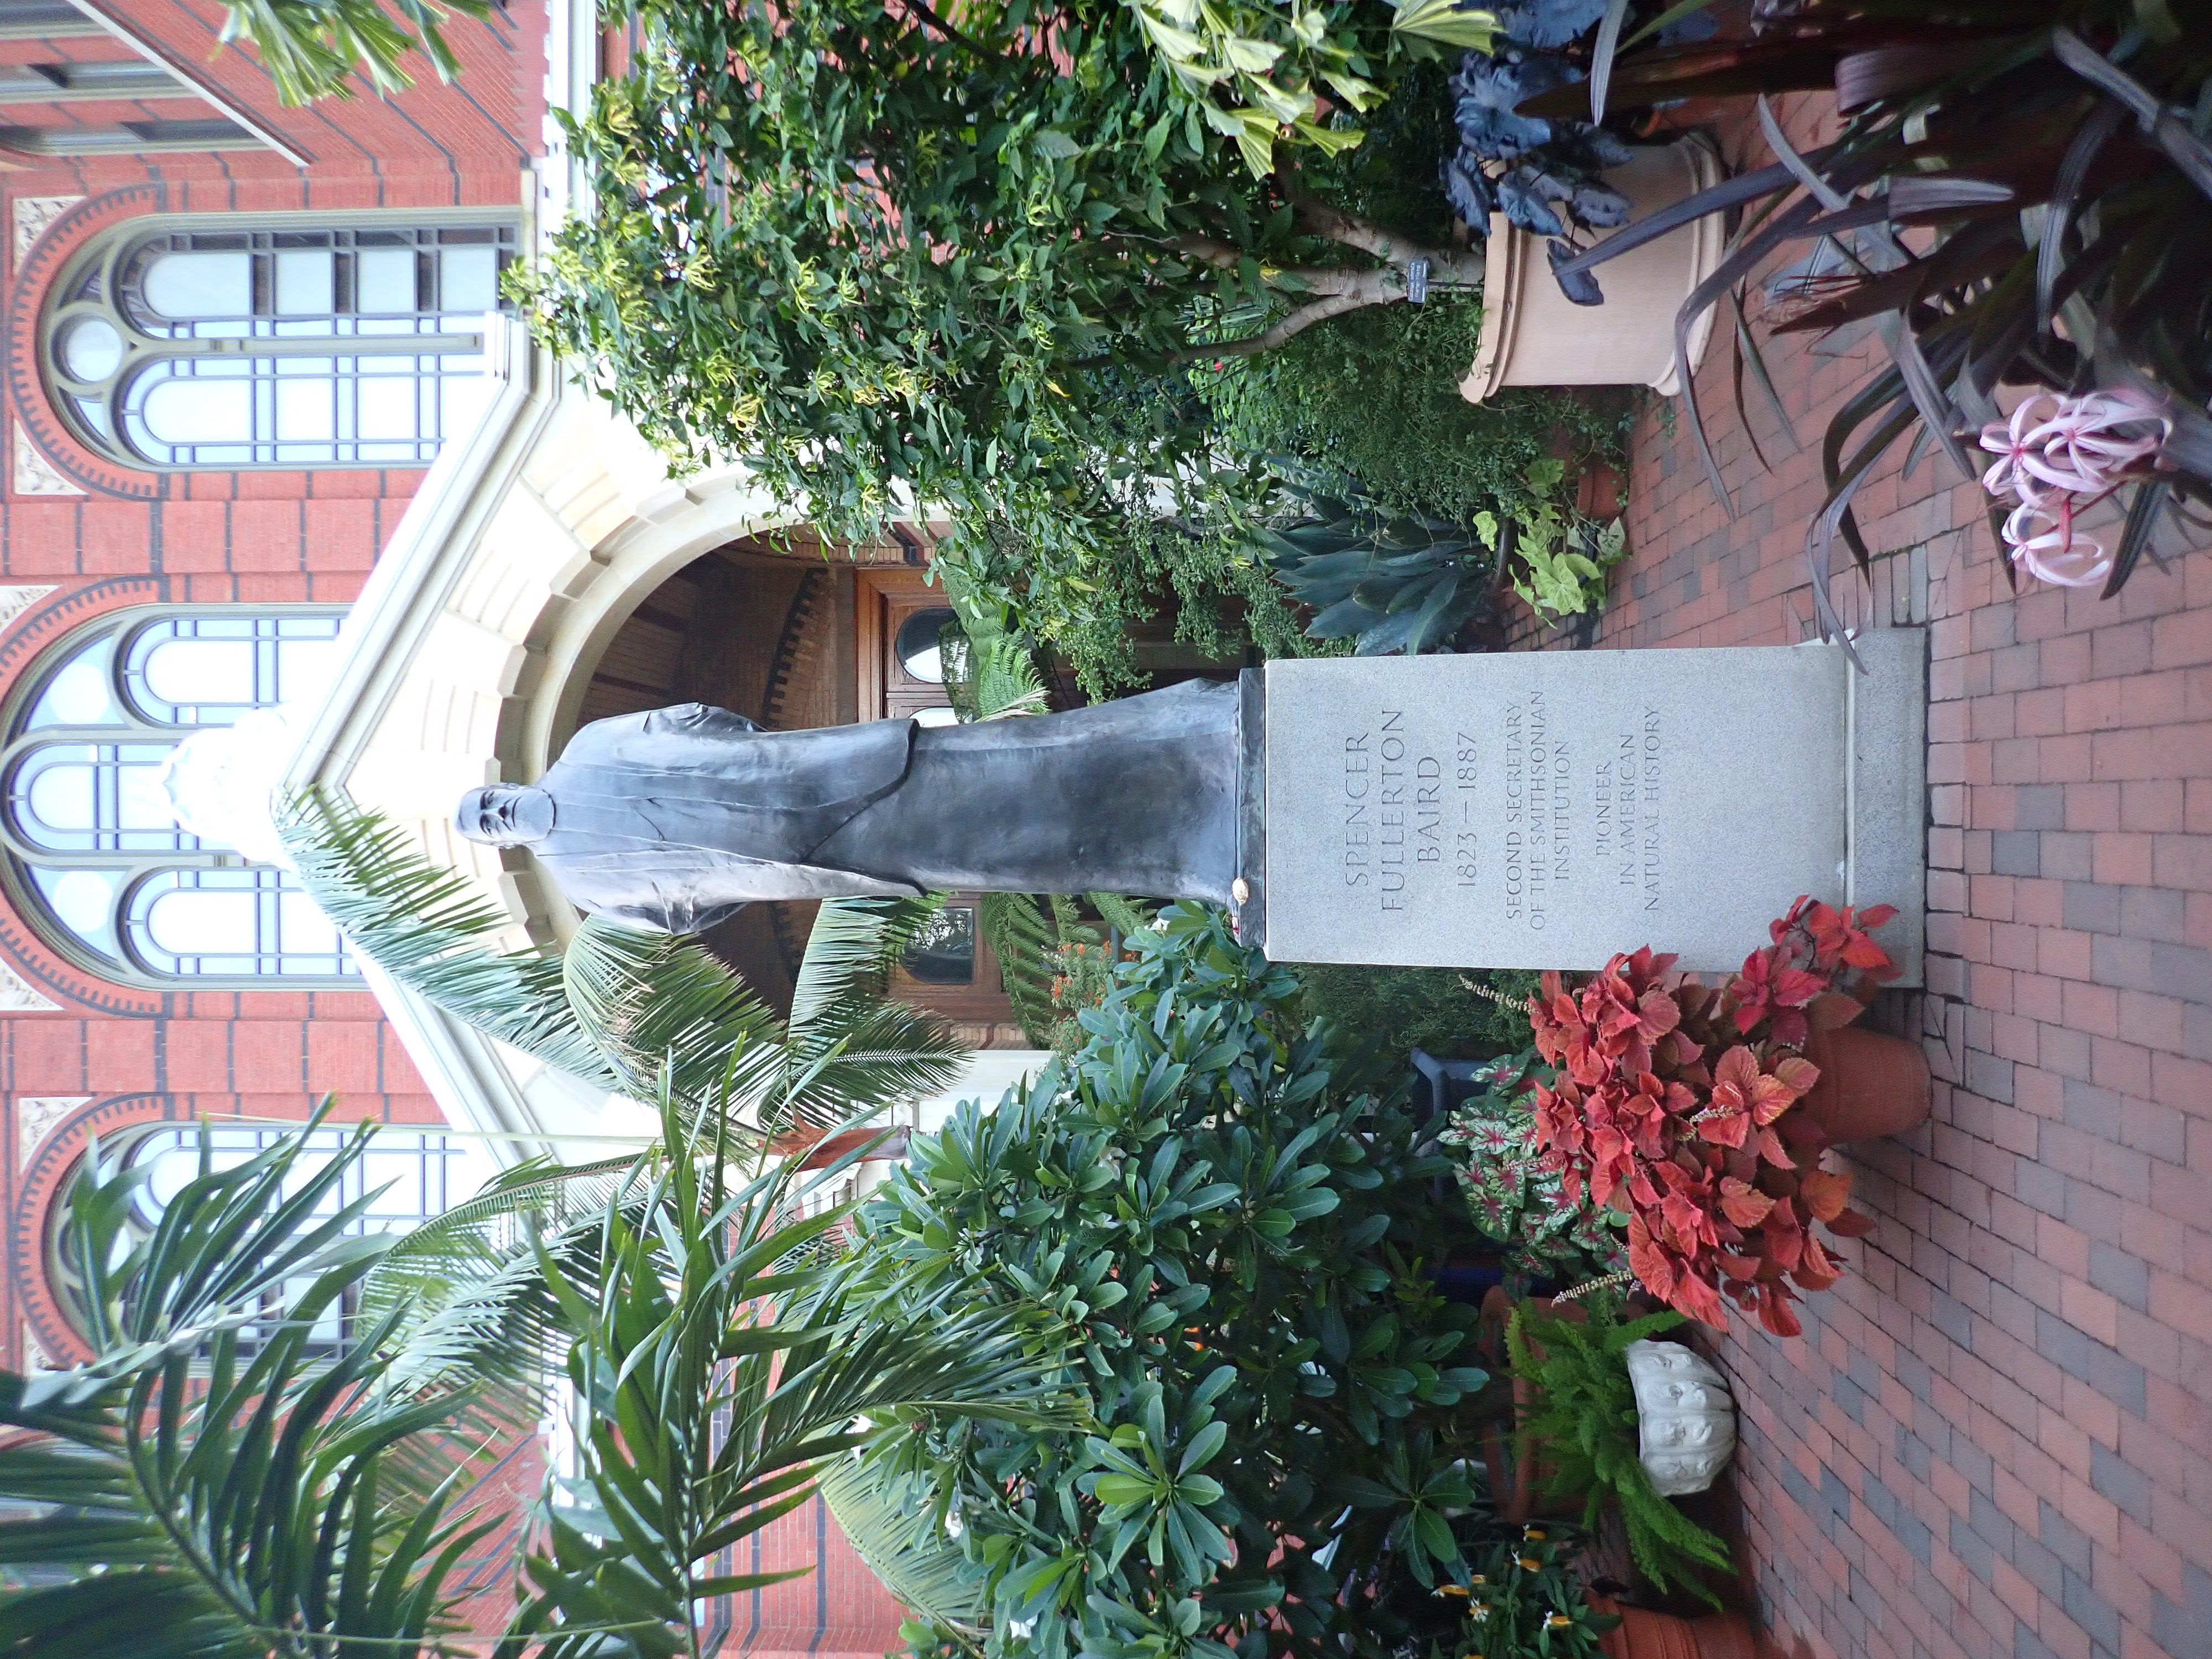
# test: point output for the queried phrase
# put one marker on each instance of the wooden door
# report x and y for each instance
(899, 618)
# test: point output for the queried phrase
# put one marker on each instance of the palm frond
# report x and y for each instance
(423, 925)
(213, 1486)
(650, 1001)
(719, 1366)
(1021, 937)
(903, 1543)
(850, 1050)
(621, 1002)
(989, 675)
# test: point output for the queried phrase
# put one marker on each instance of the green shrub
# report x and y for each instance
(1236, 1235)
(1454, 1013)
(1374, 396)
(1208, 577)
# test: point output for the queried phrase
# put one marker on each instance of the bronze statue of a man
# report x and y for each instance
(673, 819)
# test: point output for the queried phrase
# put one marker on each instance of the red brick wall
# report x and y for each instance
(252, 538)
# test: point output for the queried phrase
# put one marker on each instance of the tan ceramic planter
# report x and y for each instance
(1533, 335)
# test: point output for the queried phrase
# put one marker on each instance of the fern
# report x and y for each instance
(1584, 1423)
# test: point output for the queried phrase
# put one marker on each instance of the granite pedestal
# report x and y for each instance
(1546, 810)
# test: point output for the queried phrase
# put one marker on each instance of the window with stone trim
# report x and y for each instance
(228, 341)
(408, 1175)
(94, 852)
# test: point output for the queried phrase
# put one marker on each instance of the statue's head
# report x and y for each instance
(505, 815)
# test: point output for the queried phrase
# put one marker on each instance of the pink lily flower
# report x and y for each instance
(2051, 547)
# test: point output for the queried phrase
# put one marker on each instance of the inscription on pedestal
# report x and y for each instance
(1544, 811)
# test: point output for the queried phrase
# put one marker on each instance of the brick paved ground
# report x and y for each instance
(1993, 1438)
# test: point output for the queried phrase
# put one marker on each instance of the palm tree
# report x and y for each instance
(722, 1366)
(623, 1009)
(230, 1477)
(249, 1471)
(310, 46)
(621, 1005)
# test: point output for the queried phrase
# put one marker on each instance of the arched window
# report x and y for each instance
(422, 1174)
(86, 817)
(224, 341)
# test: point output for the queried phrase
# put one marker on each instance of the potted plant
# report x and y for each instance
(1514, 1198)
(2052, 170)
(1583, 1423)
(1699, 1113)
(1539, 188)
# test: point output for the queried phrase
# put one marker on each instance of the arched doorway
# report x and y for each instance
(795, 633)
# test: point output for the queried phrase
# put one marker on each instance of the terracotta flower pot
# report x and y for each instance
(1643, 1634)
(1871, 1084)
(1517, 1480)
(1533, 335)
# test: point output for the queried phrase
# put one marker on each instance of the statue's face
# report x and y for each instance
(505, 815)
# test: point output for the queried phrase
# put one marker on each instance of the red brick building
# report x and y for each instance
(255, 368)
(161, 203)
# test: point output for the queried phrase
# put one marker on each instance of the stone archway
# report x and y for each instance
(574, 538)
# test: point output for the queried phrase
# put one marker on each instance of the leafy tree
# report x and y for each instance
(310, 47)
(888, 257)
(1236, 1238)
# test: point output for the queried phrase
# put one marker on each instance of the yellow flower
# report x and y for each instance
(1535, 1532)
(1559, 1621)
(1530, 1562)
(1452, 1589)
(1476, 1578)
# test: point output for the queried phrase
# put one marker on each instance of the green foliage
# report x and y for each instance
(1584, 1421)
(1524, 1603)
(231, 1478)
(621, 1003)
(1257, 71)
(1562, 558)
(1387, 584)
(1232, 1236)
(719, 1361)
(1492, 1139)
(1369, 401)
(1017, 231)
(909, 1553)
(1200, 568)
(310, 47)
(1454, 1014)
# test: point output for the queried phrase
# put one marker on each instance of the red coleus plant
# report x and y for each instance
(1681, 1106)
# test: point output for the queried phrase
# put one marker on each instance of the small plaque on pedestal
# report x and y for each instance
(1546, 810)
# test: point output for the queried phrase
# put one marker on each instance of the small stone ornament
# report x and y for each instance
(1686, 1418)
